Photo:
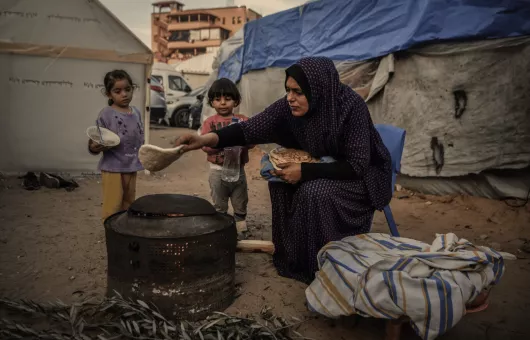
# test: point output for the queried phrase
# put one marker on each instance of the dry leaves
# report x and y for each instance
(119, 318)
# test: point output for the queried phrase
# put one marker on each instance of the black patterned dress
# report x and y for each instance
(312, 213)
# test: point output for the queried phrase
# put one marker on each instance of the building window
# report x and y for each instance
(215, 34)
(180, 36)
(205, 34)
(238, 20)
(248, 19)
(233, 20)
(224, 22)
(195, 35)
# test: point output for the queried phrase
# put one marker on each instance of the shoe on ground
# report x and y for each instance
(30, 182)
(49, 181)
(67, 183)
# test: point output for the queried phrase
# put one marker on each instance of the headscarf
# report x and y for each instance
(338, 125)
(297, 73)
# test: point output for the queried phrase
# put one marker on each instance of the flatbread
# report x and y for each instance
(154, 158)
(281, 155)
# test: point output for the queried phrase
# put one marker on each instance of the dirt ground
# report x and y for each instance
(52, 246)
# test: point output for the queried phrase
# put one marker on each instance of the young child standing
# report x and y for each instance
(119, 164)
(224, 97)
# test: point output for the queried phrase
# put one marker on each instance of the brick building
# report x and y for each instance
(178, 34)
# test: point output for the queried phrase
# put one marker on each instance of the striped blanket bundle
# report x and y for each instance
(377, 275)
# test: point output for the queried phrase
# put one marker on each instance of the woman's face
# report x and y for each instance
(296, 98)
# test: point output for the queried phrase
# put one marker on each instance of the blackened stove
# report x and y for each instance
(175, 251)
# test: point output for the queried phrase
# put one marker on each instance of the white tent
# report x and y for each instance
(197, 69)
(53, 56)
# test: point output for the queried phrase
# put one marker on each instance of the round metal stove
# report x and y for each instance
(175, 251)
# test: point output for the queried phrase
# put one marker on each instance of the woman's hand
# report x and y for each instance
(290, 172)
(194, 142)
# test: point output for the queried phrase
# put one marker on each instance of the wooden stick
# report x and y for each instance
(255, 246)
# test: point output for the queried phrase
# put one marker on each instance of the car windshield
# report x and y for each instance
(155, 81)
(176, 83)
(158, 78)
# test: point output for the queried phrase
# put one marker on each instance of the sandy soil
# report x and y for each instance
(52, 246)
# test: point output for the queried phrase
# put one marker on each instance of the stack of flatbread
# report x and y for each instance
(281, 155)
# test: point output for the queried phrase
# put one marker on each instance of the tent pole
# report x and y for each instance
(147, 108)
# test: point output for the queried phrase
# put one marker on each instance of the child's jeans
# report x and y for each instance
(237, 192)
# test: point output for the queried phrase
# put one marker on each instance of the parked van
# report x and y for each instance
(174, 83)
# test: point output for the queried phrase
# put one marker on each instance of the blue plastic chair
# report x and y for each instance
(394, 140)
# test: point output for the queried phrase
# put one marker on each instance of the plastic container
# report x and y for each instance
(232, 162)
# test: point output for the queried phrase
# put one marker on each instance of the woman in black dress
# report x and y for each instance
(320, 202)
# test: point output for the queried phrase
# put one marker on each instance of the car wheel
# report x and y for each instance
(180, 117)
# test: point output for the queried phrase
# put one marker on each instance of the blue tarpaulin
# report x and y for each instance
(365, 29)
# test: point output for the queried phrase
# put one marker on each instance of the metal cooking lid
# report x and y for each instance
(171, 205)
(170, 216)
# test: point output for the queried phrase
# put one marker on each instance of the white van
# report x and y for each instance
(174, 83)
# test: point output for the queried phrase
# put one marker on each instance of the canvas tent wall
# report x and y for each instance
(53, 57)
(197, 70)
(410, 60)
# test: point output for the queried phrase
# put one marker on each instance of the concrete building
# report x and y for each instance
(178, 34)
